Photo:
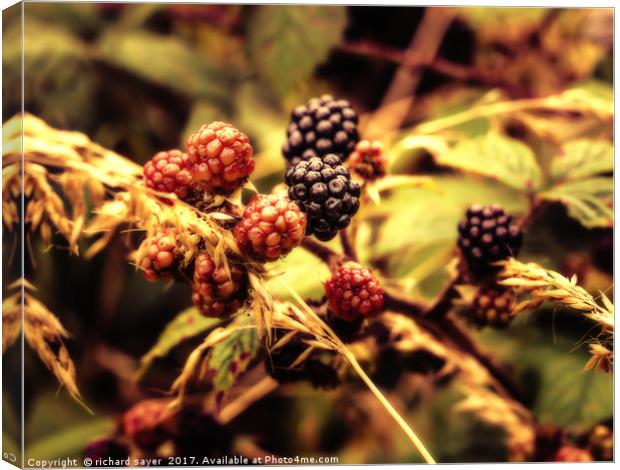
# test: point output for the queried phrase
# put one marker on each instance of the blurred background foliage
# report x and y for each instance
(138, 78)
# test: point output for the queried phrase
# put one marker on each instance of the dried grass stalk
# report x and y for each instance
(541, 285)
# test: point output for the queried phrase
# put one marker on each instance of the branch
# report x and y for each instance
(347, 246)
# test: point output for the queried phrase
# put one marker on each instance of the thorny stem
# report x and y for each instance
(347, 246)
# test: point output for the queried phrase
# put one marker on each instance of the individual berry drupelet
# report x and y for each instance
(271, 227)
(353, 292)
(159, 254)
(487, 235)
(324, 125)
(142, 423)
(216, 291)
(220, 157)
(167, 172)
(493, 306)
(368, 161)
(324, 190)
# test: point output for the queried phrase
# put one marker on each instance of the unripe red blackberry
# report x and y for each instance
(324, 125)
(493, 306)
(487, 235)
(220, 157)
(271, 227)
(368, 160)
(323, 189)
(353, 292)
(142, 423)
(572, 454)
(158, 254)
(167, 172)
(215, 291)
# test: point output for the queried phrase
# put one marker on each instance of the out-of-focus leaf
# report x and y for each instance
(287, 42)
(498, 157)
(566, 395)
(77, 17)
(185, 325)
(230, 358)
(203, 112)
(583, 158)
(589, 201)
(502, 24)
(164, 60)
(56, 427)
(303, 272)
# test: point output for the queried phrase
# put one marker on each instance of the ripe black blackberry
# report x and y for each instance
(324, 125)
(487, 235)
(324, 190)
(315, 369)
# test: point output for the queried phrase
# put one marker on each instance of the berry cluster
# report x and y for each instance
(368, 161)
(487, 235)
(324, 190)
(323, 126)
(216, 290)
(270, 228)
(142, 423)
(353, 292)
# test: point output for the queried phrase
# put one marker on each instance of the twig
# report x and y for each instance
(437, 64)
(397, 303)
(347, 246)
(241, 403)
(444, 301)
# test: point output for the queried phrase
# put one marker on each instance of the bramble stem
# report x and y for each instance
(347, 246)
(388, 406)
(253, 394)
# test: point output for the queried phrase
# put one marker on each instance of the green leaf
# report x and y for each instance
(185, 325)
(566, 396)
(583, 158)
(287, 42)
(498, 157)
(230, 358)
(164, 60)
(589, 201)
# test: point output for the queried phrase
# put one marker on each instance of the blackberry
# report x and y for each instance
(105, 448)
(315, 369)
(324, 190)
(324, 125)
(601, 440)
(220, 157)
(353, 292)
(569, 453)
(217, 292)
(167, 172)
(368, 161)
(143, 423)
(493, 306)
(271, 227)
(159, 254)
(487, 235)
(347, 331)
